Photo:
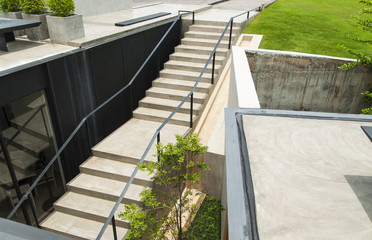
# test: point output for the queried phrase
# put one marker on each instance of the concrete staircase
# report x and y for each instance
(81, 212)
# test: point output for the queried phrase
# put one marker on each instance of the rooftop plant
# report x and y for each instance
(33, 6)
(61, 8)
(10, 5)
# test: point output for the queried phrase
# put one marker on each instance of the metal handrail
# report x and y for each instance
(58, 153)
(23, 127)
(156, 135)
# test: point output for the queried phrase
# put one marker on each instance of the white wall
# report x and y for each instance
(95, 7)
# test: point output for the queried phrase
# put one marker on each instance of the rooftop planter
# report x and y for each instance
(64, 25)
(35, 10)
(11, 9)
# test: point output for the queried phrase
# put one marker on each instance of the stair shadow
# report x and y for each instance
(362, 187)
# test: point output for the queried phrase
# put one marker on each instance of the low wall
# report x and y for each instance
(306, 82)
(95, 7)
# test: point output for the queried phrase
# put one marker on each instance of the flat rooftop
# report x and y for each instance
(311, 174)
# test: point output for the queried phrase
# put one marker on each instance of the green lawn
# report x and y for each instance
(310, 26)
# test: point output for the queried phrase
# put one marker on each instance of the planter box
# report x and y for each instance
(65, 29)
(40, 32)
(14, 15)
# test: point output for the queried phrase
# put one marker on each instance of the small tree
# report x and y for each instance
(61, 8)
(10, 5)
(33, 6)
(177, 167)
(364, 21)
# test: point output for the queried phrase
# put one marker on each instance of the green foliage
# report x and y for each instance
(10, 5)
(177, 167)
(207, 222)
(368, 99)
(309, 26)
(364, 21)
(61, 8)
(33, 6)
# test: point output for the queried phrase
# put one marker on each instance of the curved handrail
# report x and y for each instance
(78, 127)
(23, 126)
(157, 132)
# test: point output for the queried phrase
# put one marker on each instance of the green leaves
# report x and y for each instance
(10, 5)
(163, 205)
(61, 8)
(33, 6)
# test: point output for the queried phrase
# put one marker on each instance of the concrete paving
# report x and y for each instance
(312, 178)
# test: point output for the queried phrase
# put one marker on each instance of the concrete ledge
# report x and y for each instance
(242, 91)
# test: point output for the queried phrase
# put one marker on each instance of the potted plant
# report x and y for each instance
(35, 10)
(64, 25)
(11, 9)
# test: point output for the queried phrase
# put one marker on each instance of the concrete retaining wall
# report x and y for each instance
(95, 7)
(295, 81)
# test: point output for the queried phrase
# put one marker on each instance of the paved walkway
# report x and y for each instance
(230, 4)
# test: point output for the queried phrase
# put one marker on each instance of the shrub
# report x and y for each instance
(10, 5)
(368, 99)
(33, 6)
(61, 8)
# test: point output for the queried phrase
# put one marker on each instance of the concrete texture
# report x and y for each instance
(297, 81)
(95, 7)
(311, 177)
(65, 29)
(37, 33)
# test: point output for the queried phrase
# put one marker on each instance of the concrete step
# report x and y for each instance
(204, 42)
(22, 161)
(191, 66)
(88, 207)
(104, 188)
(173, 94)
(197, 58)
(116, 170)
(211, 23)
(129, 142)
(78, 228)
(168, 105)
(181, 85)
(212, 28)
(26, 142)
(182, 119)
(201, 50)
(185, 75)
(209, 35)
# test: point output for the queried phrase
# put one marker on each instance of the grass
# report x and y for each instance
(310, 26)
(207, 222)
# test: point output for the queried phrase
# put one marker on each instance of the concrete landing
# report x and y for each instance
(312, 178)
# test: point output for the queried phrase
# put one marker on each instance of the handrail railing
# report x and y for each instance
(156, 135)
(79, 126)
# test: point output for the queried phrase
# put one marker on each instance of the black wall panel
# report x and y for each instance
(78, 83)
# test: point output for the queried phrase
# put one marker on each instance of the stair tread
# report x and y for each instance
(181, 72)
(168, 102)
(162, 113)
(195, 55)
(21, 159)
(87, 204)
(210, 33)
(204, 40)
(78, 227)
(29, 141)
(182, 82)
(202, 48)
(128, 140)
(105, 186)
(114, 167)
(174, 92)
(211, 26)
(191, 64)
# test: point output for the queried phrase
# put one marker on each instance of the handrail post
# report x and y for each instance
(114, 228)
(158, 141)
(231, 26)
(191, 108)
(248, 15)
(14, 178)
(193, 17)
(34, 213)
(214, 60)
